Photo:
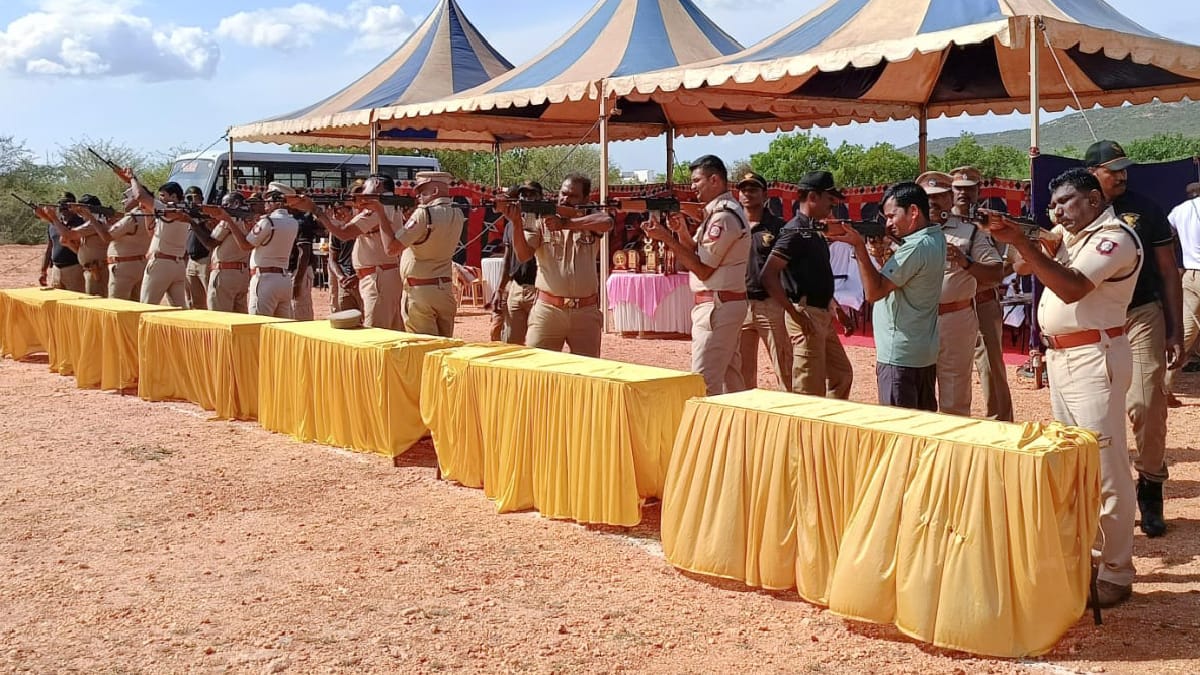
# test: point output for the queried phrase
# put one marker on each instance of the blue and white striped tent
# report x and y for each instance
(861, 60)
(445, 55)
(554, 97)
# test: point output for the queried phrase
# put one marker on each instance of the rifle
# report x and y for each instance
(31, 205)
(403, 202)
(869, 229)
(693, 210)
(1029, 227)
(110, 164)
(104, 211)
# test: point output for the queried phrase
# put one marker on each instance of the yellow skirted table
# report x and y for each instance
(573, 437)
(356, 388)
(25, 318)
(208, 358)
(97, 341)
(969, 534)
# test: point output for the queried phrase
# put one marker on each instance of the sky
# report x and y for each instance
(160, 75)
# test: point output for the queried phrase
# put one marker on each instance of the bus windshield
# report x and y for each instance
(194, 172)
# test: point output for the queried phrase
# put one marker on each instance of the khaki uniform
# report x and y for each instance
(568, 283)
(958, 325)
(270, 291)
(229, 279)
(722, 242)
(989, 353)
(430, 236)
(379, 282)
(1088, 382)
(68, 278)
(166, 267)
(93, 259)
(197, 282)
(127, 257)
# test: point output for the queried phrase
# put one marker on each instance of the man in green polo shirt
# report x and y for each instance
(906, 293)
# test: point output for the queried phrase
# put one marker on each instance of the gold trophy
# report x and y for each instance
(632, 259)
(650, 257)
(619, 261)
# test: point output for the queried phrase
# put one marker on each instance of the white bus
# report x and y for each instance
(252, 171)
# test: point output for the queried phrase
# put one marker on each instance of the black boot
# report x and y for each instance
(1150, 503)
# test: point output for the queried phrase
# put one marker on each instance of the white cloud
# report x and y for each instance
(379, 27)
(283, 28)
(93, 38)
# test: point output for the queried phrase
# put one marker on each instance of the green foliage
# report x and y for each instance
(879, 164)
(20, 174)
(997, 161)
(790, 156)
(1163, 148)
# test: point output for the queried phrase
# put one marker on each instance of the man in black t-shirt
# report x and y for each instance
(197, 255)
(300, 265)
(1154, 326)
(764, 317)
(60, 264)
(516, 295)
(799, 277)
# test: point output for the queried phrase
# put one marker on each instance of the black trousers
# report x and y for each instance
(905, 387)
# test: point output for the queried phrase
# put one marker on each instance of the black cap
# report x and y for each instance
(526, 187)
(90, 200)
(754, 180)
(820, 181)
(1108, 154)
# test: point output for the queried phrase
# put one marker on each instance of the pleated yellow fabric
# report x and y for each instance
(208, 358)
(97, 341)
(346, 388)
(25, 318)
(573, 437)
(968, 534)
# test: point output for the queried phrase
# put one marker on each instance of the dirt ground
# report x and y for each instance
(139, 537)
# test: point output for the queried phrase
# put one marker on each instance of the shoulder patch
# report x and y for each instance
(1130, 219)
(716, 231)
(1106, 246)
(768, 238)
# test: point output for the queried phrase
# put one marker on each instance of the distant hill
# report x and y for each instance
(1126, 124)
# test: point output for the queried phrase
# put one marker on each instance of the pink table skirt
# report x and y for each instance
(646, 291)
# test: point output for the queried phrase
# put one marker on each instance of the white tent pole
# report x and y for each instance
(496, 156)
(604, 241)
(1034, 95)
(670, 157)
(923, 139)
(229, 181)
(373, 151)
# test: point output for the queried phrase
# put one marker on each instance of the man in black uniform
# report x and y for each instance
(805, 291)
(764, 316)
(300, 265)
(197, 255)
(1154, 326)
(60, 264)
(517, 292)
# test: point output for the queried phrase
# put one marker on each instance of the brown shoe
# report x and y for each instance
(1173, 402)
(1110, 594)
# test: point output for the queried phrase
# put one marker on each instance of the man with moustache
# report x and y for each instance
(764, 316)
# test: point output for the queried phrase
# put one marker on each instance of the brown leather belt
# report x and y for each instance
(231, 266)
(951, 307)
(126, 258)
(724, 296)
(267, 270)
(94, 265)
(568, 303)
(164, 256)
(418, 281)
(1083, 337)
(364, 272)
(988, 295)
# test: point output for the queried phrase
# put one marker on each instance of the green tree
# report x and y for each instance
(880, 164)
(20, 174)
(997, 161)
(790, 156)
(1163, 148)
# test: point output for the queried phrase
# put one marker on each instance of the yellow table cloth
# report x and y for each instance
(573, 437)
(969, 534)
(357, 388)
(208, 358)
(97, 341)
(25, 318)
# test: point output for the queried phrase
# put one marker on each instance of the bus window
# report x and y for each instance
(194, 173)
(326, 180)
(296, 180)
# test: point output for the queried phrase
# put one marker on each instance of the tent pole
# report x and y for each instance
(670, 157)
(923, 139)
(229, 181)
(604, 241)
(496, 156)
(373, 151)
(1034, 95)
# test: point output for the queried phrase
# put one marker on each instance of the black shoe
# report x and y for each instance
(1109, 594)
(1150, 503)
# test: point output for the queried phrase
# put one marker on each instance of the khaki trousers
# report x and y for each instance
(95, 279)
(125, 280)
(381, 294)
(956, 357)
(165, 278)
(228, 290)
(820, 366)
(68, 278)
(271, 295)
(1191, 318)
(989, 361)
(517, 307)
(765, 322)
(580, 329)
(430, 310)
(197, 283)
(1146, 402)
(716, 342)
(341, 298)
(302, 305)
(1086, 390)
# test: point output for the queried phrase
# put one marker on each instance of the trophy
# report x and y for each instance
(619, 261)
(649, 257)
(632, 259)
